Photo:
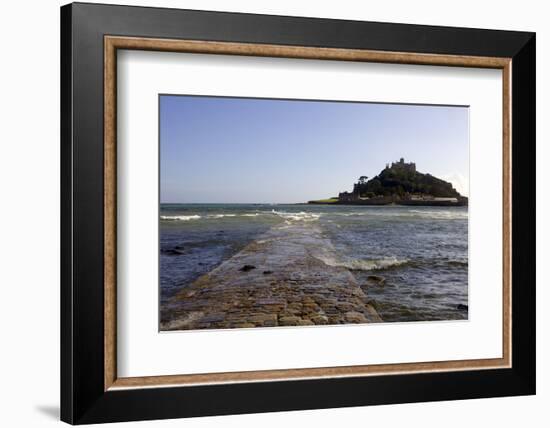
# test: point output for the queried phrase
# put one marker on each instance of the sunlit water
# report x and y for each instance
(420, 252)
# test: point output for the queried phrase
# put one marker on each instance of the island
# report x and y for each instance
(399, 184)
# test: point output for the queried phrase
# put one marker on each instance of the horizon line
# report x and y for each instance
(236, 203)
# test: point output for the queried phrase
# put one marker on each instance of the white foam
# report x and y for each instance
(180, 217)
(300, 216)
(221, 215)
(358, 264)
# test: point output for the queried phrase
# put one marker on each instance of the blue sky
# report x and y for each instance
(243, 150)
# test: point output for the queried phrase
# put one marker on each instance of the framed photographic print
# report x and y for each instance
(265, 213)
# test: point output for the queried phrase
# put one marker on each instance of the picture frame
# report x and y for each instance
(91, 390)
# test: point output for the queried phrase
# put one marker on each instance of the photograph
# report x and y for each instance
(288, 212)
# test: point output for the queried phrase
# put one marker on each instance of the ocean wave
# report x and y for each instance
(221, 215)
(205, 217)
(358, 264)
(300, 216)
(180, 217)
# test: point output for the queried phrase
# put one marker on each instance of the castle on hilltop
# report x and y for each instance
(402, 165)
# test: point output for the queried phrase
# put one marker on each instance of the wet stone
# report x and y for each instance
(244, 325)
(212, 318)
(271, 301)
(319, 319)
(288, 321)
(355, 317)
(263, 318)
(279, 279)
(376, 280)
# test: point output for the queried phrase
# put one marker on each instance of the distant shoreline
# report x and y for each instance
(361, 203)
(386, 204)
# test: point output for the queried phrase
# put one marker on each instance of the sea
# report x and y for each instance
(411, 261)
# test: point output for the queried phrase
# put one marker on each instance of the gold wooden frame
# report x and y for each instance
(113, 43)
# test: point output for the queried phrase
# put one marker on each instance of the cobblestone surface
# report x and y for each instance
(285, 283)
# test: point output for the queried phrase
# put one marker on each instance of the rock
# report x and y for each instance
(267, 301)
(247, 268)
(172, 252)
(245, 325)
(345, 306)
(263, 318)
(305, 322)
(210, 318)
(270, 323)
(182, 322)
(372, 303)
(331, 310)
(286, 313)
(373, 314)
(311, 307)
(376, 280)
(291, 320)
(267, 272)
(319, 319)
(462, 307)
(336, 319)
(294, 308)
(355, 317)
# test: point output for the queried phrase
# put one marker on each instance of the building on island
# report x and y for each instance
(346, 197)
(402, 165)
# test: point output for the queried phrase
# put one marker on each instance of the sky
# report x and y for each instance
(247, 150)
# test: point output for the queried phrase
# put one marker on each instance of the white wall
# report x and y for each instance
(29, 216)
